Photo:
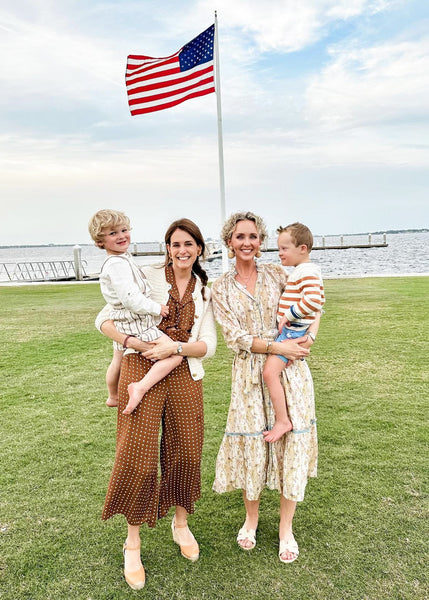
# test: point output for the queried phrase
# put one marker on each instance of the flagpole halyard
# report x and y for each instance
(225, 265)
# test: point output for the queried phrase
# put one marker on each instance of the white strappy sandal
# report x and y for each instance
(290, 546)
(247, 534)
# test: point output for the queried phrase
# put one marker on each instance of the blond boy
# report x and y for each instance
(133, 311)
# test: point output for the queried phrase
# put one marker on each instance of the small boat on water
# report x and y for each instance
(214, 251)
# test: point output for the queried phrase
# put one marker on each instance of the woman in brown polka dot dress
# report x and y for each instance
(175, 403)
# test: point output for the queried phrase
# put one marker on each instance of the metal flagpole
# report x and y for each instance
(225, 265)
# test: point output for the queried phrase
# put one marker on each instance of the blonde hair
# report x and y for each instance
(231, 223)
(299, 233)
(104, 219)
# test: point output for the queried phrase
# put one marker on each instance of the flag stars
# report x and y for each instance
(197, 51)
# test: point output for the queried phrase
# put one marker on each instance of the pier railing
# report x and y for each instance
(54, 270)
(342, 242)
(331, 242)
(66, 270)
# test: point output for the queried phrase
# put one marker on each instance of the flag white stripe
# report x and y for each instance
(133, 75)
(173, 98)
(147, 60)
(173, 78)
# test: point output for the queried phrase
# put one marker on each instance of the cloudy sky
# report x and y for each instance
(325, 116)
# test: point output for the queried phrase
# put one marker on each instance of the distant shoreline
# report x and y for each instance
(387, 232)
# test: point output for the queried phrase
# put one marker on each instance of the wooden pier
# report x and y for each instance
(52, 270)
(216, 252)
(75, 270)
(148, 253)
(342, 247)
(48, 270)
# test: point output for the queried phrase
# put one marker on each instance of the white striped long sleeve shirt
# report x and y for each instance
(303, 295)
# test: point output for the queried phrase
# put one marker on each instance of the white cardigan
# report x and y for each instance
(203, 329)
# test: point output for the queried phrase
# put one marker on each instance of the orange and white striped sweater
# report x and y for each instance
(303, 296)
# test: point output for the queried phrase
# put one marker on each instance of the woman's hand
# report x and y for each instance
(291, 349)
(161, 348)
(307, 342)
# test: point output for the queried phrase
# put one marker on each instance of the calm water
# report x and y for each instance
(406, 253)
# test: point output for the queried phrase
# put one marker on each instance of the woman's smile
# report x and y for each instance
(183, 249)
(245, 241)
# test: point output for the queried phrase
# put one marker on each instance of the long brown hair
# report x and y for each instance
(194, 231)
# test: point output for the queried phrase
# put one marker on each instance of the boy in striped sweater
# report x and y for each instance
(302, 298)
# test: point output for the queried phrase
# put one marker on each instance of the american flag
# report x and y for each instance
(158, 83)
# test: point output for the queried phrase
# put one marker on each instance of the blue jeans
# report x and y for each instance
(289, 334)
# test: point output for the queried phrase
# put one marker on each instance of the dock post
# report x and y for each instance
(369, 239)
(323, 241)
(341, 240)
(77, 256)
(135, 248)
(384, 238)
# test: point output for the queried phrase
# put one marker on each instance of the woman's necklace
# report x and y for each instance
(245, 281)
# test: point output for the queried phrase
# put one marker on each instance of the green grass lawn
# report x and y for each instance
(361, 530)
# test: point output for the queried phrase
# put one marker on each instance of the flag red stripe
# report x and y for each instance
(158, 65)
(164, 84)
(152, 75)
(144, 58)
(140, 111)
(155, 72)
(132, 101)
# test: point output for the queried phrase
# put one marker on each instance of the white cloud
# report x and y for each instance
(46, 60)
(346, 9)
(374, 85)
(288, 25)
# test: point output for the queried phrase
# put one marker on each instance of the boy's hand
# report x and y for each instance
(283, 321)
(164, 310)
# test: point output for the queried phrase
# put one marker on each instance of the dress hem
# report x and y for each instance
(148, 522)
(294, 498)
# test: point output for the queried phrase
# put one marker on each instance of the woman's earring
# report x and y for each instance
(231, 253)
(258, 254)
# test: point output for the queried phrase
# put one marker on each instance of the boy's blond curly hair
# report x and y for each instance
(104, 219)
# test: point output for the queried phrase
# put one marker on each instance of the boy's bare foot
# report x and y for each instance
(279, 429)
(136, 393)
(112, 402)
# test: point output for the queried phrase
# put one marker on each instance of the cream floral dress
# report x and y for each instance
(245, 461)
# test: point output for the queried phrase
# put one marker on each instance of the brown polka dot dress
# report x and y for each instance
(175, 403)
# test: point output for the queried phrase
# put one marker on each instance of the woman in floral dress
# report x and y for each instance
(245, 303)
